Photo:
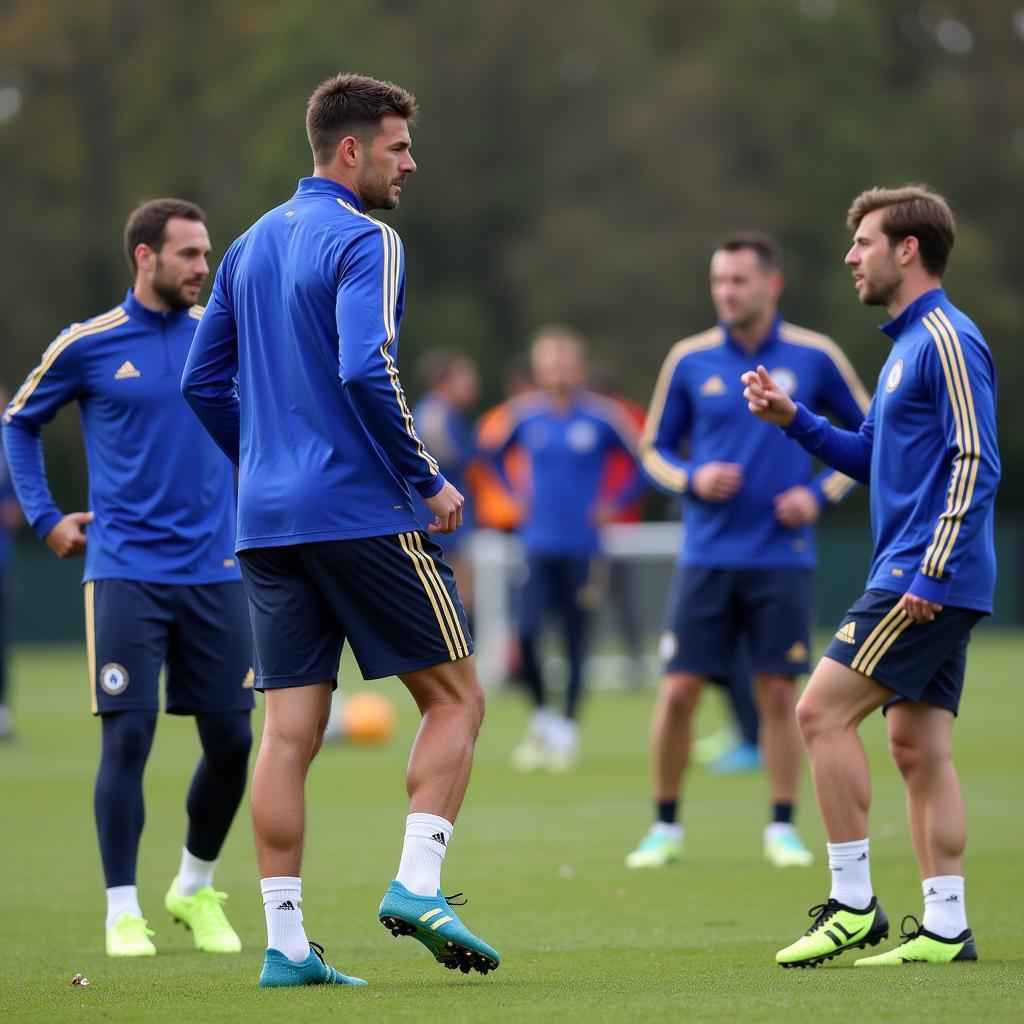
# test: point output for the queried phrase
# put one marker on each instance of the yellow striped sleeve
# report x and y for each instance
(811, 339)
(968, 442)
(106, 322)
(391, 278)
(671, 477)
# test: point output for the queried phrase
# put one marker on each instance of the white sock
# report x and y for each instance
(944, 911)
(774, 829)
(426, 842)
(119, 899)
(669, 831)
(194, 874)
(851, 873)
(281, 899)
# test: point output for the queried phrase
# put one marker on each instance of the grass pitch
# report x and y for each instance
(541, 859)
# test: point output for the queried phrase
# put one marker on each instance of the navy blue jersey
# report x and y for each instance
(294, 372)
(162, 494)
(566, 451)
(698, 408)
(930, 451)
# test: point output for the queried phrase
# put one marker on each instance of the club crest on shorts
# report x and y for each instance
(114, 678)
(892, 382)
(786, 379)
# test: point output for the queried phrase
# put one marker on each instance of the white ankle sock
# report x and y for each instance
(194, 874)
(945, 913)
(669, 831)
(119, 899)
(426, 842)
(281, 899)
(851, 873)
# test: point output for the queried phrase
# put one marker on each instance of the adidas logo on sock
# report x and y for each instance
(953, 899)
(863, 856)
(931, 892)
(439, 838)
(287, 905)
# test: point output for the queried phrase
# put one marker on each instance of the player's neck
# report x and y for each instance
(145, 296)
(910, 290)
(340, 176)
(750, 337)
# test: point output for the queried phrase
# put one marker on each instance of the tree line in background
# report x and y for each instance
(577, 160)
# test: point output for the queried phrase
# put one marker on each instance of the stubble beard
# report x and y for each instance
(172, 294)
(375, 192)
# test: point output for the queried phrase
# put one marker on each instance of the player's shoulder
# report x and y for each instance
(527, 406)
(80, 334)
(603, 408)
(943, 325)
(695, 344)
(812, 341)
(196, 311)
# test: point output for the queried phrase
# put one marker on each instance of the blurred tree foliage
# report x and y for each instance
(577, 159)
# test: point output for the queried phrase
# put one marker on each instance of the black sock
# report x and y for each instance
(666, 811)
(782, 814)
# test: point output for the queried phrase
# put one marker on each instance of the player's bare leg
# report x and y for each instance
(293, 730)
(920, 740)
(452, 705)
(670, 738)
(671, 731)
(782, 752)
(836, 701)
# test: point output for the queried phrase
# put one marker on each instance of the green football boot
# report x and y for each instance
(783, 848)
(836, 928)
(656, 850)
(129, 936)
(204, 916)
(921, 946)
(280, 972)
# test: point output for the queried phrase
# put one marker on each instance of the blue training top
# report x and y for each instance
(929, 450)
(162, 494)
(699, 399)
(567, 451)
(294, 373)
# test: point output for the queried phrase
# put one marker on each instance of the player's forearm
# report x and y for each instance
(664, 469)
(381, 406)
(24, 448)
(846, 450)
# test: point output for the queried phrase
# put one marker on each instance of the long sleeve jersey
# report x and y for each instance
(698, 405)
(566, 452)
(162, 494)
(929, 450)
(450, 440)
(294, 372)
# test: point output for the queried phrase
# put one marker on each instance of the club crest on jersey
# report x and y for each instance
(114, 678)
(786, 379)
(892, 382)
(581, 437)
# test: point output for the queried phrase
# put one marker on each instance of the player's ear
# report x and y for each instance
(908, 249)
(347, 153)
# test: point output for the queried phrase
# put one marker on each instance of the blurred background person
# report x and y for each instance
(752, 502)
(451, 387)
(565, 433)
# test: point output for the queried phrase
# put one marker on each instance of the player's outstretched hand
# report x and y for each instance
(717, 481)
(67, 539)
(447, 508)
(797, 507)
(918, 609)
(766, 400)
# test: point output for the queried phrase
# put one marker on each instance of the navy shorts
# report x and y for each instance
(201, 632)
(554, 586)
(393, 598)
(712, 611)
(917, 660)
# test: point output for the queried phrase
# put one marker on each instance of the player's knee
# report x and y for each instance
(227, 738)
(776, 695)
(914, 754)
(128, 736)
(679, 693)
(812, 718)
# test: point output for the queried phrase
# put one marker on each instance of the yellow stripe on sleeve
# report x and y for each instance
(106, 322)
(968, 458)
(673, 478)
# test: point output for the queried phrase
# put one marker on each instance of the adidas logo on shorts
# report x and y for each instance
(847, 633)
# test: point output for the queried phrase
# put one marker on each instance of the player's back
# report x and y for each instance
(308, 469)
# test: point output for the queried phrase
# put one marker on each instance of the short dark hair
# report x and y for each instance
(768, 251)
(148, 224)
(911, 210)
(350, 104)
